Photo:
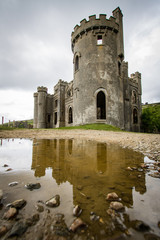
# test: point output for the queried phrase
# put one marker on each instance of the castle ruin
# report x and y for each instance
(101, 91)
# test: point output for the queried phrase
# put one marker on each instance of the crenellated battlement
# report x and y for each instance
(42, 89)
(101, 23)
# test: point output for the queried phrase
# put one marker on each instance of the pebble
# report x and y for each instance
(20, 203)
(3, 230)
(1, 195)
(141, 226)
(5, 165)
(32, 186)
(76, 224)
(53, 202)
(18, 229)
(39, 208)
(129, 168)
(151, 236)
(9, 169)
(112, 196)
(116, 206)
(33, 220)
(77, 211)
(12, 184)
(11, 213)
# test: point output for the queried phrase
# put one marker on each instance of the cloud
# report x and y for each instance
(35, 45)
(20, 102)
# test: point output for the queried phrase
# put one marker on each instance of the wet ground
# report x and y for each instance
(82, 173)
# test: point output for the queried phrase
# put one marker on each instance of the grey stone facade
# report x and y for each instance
(101, 91)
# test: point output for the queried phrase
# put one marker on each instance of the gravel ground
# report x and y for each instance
(148, 144)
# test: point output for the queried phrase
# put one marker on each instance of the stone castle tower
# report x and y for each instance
(101, 91)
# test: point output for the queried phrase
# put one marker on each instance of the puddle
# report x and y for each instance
(82, 173)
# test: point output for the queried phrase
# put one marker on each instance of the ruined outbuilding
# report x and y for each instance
(101, 91)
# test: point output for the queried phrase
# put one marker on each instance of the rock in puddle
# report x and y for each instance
(39, 208)
(112, 197)
(1, 195)
(18, 229)
(77, 211)
(116, 206)
(151, 236)
(9, 169)
(12, 184)
(59, 228)
(11, 213)
(76, 224)
(5, 165)
(20, 203)
(3, 230)
(32, 186)
(53, 202)
(33, 220)
(141, 226)
(94, 217)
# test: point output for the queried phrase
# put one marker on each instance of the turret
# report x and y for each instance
(35, 120)
(42, 95)
(119, 19)
(97, 84)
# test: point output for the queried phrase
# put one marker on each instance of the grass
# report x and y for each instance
(5, 127)
(94, 126)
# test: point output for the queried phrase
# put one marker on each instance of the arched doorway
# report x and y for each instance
(101, 105)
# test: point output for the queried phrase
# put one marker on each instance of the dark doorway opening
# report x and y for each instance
(101, 105)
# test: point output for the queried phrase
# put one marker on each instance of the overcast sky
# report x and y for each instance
(35, 46)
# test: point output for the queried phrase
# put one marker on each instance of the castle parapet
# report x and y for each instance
(93, 24)
(42, 89)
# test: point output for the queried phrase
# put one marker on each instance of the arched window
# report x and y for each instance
(76, 63)
(134, 97)
(101, 105)
(70, 117)
(135, 116)
(119, 68)
(55, 118)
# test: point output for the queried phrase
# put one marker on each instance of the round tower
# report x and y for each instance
(97, 46)
(35, 120)
(42, 95)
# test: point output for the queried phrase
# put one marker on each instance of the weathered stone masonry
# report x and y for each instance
(101, 91)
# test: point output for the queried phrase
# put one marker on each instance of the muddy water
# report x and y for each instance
(82, 173)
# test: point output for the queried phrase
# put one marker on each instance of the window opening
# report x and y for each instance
(55, 118)
(134, 98)
(99, 39)
(56, 103)
(135, 116)
(119, 68)
(77, 63)
(49, 118)
(70, 118)
(101, 105)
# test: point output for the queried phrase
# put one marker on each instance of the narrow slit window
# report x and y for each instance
(77, 63)
(99, 39)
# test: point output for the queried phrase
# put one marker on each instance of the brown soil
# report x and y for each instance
(148, 144)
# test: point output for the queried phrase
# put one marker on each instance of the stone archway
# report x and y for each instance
(101, 105)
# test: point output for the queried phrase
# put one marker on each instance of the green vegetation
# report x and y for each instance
(17, 124)
(98, 126)
(5, 127)
(151, 118)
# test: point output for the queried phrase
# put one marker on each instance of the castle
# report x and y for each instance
(101, 91)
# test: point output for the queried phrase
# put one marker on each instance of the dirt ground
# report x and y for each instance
(148, 144)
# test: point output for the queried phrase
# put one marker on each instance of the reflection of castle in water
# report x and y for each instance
(92, 168)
